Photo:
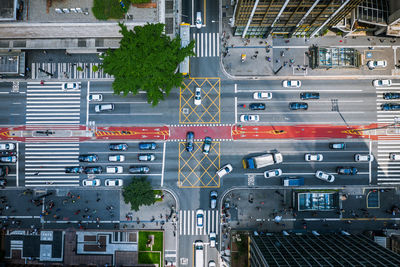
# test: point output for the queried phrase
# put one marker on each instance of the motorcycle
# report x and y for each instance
(242, 105)
(243, 57)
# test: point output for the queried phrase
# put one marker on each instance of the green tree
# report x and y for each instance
(139, 192)
(147, 59)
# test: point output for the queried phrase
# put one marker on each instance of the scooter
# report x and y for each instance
(242, 105)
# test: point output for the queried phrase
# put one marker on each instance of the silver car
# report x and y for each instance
(325, 176)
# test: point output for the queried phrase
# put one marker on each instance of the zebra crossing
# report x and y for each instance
(187, 222)
(207, 44)
(45, 164)
(69, 70)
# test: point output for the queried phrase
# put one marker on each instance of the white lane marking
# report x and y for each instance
(51, 122)
(53, 106)
(87, 106)
(217, 44)
(205, 45)
(52, 114)
(163, 164)
(53, 118)
(300, 90)
(370, 163)
(53, 102)
(197, 45)
(124, 114)
(65, 94)
(126, 102)
(52, 98)
(35, 145)
(54, 149)
(17, 168)
(47, 110)
(236, 110)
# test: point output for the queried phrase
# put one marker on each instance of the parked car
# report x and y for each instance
(224, 170)
(272, 173)
(103, 107)
(363, 157)
(337, 145)
(71, 86)
(91, 182)
(78, 169)
(347, 170)
(200, 218)
(146, 157)
(7, 153)
(394, 156)
(207, 145)
(212, 263)
(309, 95)
(7, 146)
(213, 239)
(378, 83)
(262, 95)
(95, 98)
(197, 96)
(139, 169)
(389, 96)
(116, 158)
(88, 158)
(147, 146)
(291, 84)
(93, 170)
(313, 157)
(257, 106)
(189, 141)
(372, 64)
(213, 199)
(325, 176)
(198, 20)
(4, 170)
(114, 182)
(114, 169)
(249, 118)
(8, 159)
(390, 106)
(118, 147)
(298, 105)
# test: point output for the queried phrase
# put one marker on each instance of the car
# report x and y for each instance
(146, 157)
(200, 218)
(391, 106)
(95, 98)
(71, 86)
(249, 118)
(139, 169)
(103, 107)
(298, 105)
(213, 240)
(7, 153)
(198, 20)
(391, 95)
(207, 145)
(91, 182)
(378, 83)
(116, 158)
(337, 145)
(114, 182)
(3, 182)
(257, 106)
(372, 64)
(309, 95)
(147, 146)
(291, 84)
(114, 169)
(262, 95)
(213, 199)
(361, 157)
(347, 170)
(325, 176)
(88, 158)
(273, 173)
(8, 159)
(212, 264)
(189, 141)
(313, 157)
(394, 156)
(224, 170)
(4, 170)
(118, 147)
(74, 169)
(197, 96)
(7, 146)
(93, 170)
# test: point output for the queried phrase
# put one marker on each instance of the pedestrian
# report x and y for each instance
(44, 52)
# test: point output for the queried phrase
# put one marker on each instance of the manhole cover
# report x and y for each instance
(185, 111)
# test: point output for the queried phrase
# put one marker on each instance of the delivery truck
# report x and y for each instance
(261, 161)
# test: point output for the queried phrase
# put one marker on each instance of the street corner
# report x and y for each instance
(152, 133)
(197, 170)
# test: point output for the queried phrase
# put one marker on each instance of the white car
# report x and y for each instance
(198, 20)
(224, 170)
(71, 86)
(313, 157)
(273, 173)
(213, 239)
(114, 169)
(291, 84)
(95, 97)
(197, 96)
(211, 264)
(7, 146)
(262, 95)
(91, 182)
(249, 118)
(200, 218)
(114, 182)
(363, 157)
(372, 64)
(103, 107)
(378, 83)
(325, 176)
(116, 158)
(394, 156)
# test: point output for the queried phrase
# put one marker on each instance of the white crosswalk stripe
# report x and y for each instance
(207, 44)
(45, 164)
(187, 222)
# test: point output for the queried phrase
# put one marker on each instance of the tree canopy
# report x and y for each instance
(147, 60)
(139, 192)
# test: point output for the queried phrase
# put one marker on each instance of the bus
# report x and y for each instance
(185, 40)
(199, 254)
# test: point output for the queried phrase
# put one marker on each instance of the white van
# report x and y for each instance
(103, 107)
(114, 169)
(199, 254)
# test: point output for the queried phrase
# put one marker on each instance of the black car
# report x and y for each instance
(147, 146)
(347, 170)
(88, 158)
(189, 141)
(3, 183)
(93, 170)
(139, 169)
(394, 106)
(257, 106)
(4, 170)
(118, 147)
(389, 96)
(337, 145)
(74, 169)
(309, 95)
(298, 105)
(7, 153)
